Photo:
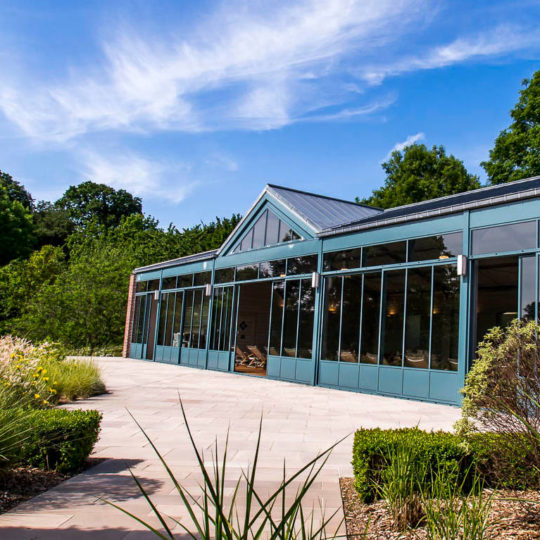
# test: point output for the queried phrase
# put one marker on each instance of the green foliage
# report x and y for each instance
(16, 191)
(249, 515)
(502, 395)
(401, 483)
(20, 280)
(418, 174)
(516, 153)
(97, 203)
(59, 439)
(52, 225)
(16, 229)
(74, 379)
(452, 512)
(432, 451)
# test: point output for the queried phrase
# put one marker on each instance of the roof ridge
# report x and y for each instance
(303, 192)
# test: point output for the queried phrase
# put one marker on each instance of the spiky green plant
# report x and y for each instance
(250, 517)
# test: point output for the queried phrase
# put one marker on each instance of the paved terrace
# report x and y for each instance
(298, 421)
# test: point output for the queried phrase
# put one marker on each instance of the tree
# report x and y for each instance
(417, 174)
(52, 225)
(16, 229)
(516, 153)
(91, 202)
(16, 191)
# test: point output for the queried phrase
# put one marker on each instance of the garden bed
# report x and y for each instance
(512, 520)
(22, 483)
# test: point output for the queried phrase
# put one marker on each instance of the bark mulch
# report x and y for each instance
(22, 483)
(511, 520)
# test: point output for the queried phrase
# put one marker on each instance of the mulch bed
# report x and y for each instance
(22, 483)
(512, 520)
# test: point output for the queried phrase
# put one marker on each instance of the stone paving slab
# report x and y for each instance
(299, 421)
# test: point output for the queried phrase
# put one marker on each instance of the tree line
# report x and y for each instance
(65, 265)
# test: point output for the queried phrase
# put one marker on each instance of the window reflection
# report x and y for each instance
(330, 341)
(302, 265)
(445, 333)
(528, 288)
(394, 294)
(307, 314)
(436, 247)
(278, 303)
(248, 271)
(380, 254)
(512, 237)
(224, 275)
(272, 268)
(370, 318)
(292, 292)
(418, 318)
(342, 260)
(350, 324)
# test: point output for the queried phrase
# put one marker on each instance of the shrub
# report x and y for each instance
(432, 451)
(75, 378)
(502, 395)
(59, 439)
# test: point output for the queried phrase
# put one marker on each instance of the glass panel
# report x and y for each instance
(162, 319)
(169, 283)
(249, 271)
(418, 318)
(342, 260)
(204, 321)
(441, 246)
(394, 289)
(528, 288)
(392, 253)
(302, 265)
(224, 275)
(370, 318)
(185, 280)
(177, 331)
(202, 278)
(136, 316)
(504, 238)
(350, 324)
(272, 269)
(445, 325)
(307, 313)
(330, 330)
(286, 234)
(246, 242)
(170, 319)
(497, 296)
(292, 291)
(272, 229)
(277, 317)
(258, 232)
(141, 286)
(226, 320)
(188, 315)
(153, 285)
(196, 320)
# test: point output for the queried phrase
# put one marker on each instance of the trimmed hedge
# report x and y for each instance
(373, 448)
(59, 439)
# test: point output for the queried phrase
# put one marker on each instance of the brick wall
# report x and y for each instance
(129, 316)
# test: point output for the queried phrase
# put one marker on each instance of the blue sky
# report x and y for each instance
(194, 106)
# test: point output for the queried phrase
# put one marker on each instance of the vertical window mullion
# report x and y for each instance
(431, 314)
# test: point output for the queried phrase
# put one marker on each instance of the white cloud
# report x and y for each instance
(138, 175)
(240, 69)
(411, 139)
(503, 39)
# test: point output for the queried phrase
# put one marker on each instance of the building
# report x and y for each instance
(321, 291)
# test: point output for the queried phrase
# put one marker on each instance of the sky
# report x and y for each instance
(195, 106)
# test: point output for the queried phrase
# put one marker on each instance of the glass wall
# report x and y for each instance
(222, 319)
(292, 318)
(368, 317)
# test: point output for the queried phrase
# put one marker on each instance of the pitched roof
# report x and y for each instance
(196, 257)
(319, 211)
(486, 196)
